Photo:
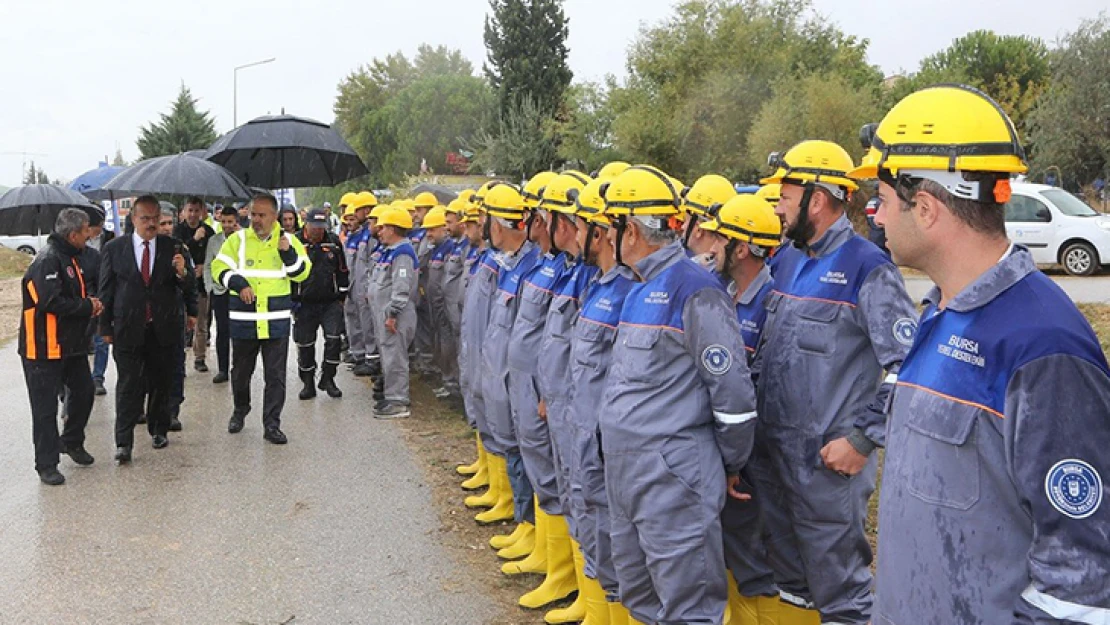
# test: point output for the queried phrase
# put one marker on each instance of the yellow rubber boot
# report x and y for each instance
(536, 562)
(618, 615)
(575, 612)
(502, 541)
(473, 468)
(793, 615)
(740, 610)
(480, 478)
(597, 608)
(498, 479)
(502, 509)
(768, 610)
(524, 545)
(560, 581)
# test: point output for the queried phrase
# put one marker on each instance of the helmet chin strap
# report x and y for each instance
(802, 231)
(590, 228)
(487, 231)
(551, 228)
(689, 231)
(620, 222)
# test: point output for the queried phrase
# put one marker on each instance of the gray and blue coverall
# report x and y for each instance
(454, 288)
(837, 317)
(678, 416)
(495, 373)
(997, 456)
(393, 296)
(481, 285)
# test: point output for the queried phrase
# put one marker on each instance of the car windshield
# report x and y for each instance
(1069, 204)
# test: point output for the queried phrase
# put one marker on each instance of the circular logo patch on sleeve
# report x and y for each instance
(716, 359)
(905, 329)
(1074, 488)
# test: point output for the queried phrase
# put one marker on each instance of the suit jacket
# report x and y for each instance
(125, 296)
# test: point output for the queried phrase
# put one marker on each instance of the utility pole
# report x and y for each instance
(235, 88)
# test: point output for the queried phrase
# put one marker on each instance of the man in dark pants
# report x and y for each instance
(320, 305)
(195, 234)
(229, 225)
(177, 389)
(146, 289)
(258, 266)
(54, 343)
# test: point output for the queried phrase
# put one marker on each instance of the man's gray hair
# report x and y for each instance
(71, 220)
(169, 212)
(654, 230)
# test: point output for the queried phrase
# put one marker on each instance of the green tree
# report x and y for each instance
(117, 160)
(519, 146)
(1012, 69)
(585, 131)
(35, 175)
(1070, 126)
(526, 53)
(697, 81)
(184, 128)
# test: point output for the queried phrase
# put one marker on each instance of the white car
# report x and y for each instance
(26, 243)
(1058, 228)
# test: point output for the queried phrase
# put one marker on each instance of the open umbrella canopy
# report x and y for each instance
(32, 209)
(180, 174)
(91, 183)
(285, 152)
(442, 193)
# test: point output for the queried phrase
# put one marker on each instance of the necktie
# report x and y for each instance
(146, 276)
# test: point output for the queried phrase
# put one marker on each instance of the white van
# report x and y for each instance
(1058, 228)
(26, 243)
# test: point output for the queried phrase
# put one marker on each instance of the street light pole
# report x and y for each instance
(235, 88)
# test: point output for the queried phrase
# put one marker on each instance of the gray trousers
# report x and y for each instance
(394, 349)
(745, 554)
(424, 346)
(562, 442)
(589, 507)
(534, 439)
(352, 317)
(446, 322)
(665, 506)
(826, 512)
(367, 314)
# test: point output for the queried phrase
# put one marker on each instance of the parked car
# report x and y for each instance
(1058, 228)
(26, 243)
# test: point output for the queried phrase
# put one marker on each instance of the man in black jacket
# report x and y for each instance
(146, 287)
(319, 304)
(195, 234)
(54, 344)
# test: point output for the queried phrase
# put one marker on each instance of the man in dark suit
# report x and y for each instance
(146, 287)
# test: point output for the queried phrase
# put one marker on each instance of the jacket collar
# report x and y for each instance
(1013, 268)
(653, 264)
(837, 235)
(761, 279)
(63, 246)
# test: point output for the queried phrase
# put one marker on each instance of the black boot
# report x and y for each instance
(309, 390)
(327, 384)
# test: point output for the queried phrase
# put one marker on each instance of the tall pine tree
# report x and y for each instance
(526, 53)
(183, 129)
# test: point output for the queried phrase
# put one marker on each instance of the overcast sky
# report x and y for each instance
(80, 78)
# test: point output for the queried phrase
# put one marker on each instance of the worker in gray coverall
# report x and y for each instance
(481, 285)
(365, 261)
(392, 296)
(435, 226)
(678, 414)
(992, 504)
(454, 288)
(517, 256)
(837, 317)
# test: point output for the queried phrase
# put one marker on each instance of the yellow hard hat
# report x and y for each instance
(471, 214)
(707, 191)
(770, 193)
(747, 218)
(394, 216)
(643, 190)
(364, 199)
(590, 204)
(457, 206)
(405, 204)
(506, 202)
(437, 217)
(612, 170)
(426, 199)
(348, 210)
(559, 192)
(814, 161)
(533, 189)
(948, 128)
(466, 195)
(379, 210)
(347, 199)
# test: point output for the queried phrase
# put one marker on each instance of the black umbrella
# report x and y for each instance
(284, 152)
(443, 194)
(180, 174)
(32, 209)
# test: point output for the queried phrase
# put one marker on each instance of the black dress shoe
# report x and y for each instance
(175, 424)
(78, 455)
(235, 425)
(159, 441)
(220, 378)
(275, 436)
(98, 388)
(200, 366)
(123, 454)
(51, 477)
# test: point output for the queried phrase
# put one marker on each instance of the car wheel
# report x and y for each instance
(1080, 259)
(26, 249)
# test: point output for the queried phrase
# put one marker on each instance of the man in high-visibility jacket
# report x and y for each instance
(258, 266)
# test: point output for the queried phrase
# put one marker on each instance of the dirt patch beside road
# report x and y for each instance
(11, 304)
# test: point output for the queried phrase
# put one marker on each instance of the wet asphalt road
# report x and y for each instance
(1090, 290)
(336, 527)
